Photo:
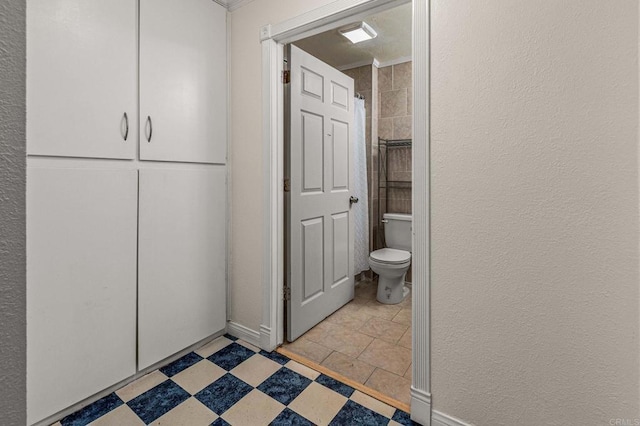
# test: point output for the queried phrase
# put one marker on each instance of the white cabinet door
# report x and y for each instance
(81, 284)
(183, 81)
(81, 78)
(182, 252)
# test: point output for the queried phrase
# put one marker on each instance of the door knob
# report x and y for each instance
(353, 200)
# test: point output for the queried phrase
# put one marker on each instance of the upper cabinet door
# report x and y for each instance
(183, 81)
(81, 78)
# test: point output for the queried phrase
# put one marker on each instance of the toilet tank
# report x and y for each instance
(397, 230)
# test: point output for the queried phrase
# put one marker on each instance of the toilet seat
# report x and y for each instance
(390, 256)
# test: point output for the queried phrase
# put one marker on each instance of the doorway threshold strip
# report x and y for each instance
(339, 377)
(231, 382)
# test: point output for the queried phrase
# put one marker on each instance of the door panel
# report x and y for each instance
(340, 95)
(313, 248)
(81, 284)
(340, 246)
(183, 81)
(312, 84)
(82, 78)
(182, 252)
(312, 148)
(340, 138)
(319, 225)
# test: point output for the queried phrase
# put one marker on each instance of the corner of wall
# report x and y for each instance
(12, 210)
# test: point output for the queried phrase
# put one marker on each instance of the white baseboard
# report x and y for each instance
(441, 419)
(420, 406)
(267, 341)
(244, 333)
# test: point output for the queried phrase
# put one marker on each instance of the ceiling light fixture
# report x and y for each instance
(359, 32)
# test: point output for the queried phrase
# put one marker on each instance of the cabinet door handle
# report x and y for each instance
(150, 125)
(126, 126)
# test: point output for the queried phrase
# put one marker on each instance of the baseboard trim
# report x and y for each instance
(244, 333)
(441, 419)
(266, 341)
(420, 406)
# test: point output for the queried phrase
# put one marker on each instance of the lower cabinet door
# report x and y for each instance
(182, 252)
(81, 284)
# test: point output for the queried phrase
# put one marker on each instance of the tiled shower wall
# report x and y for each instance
(395, 90)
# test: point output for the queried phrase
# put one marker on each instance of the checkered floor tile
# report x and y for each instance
(230, 382)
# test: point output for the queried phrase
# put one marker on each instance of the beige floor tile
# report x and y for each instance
(248, 345)
(373, 404)
(319, 331)
(190, 413)
(57, 424)
(123, 415)
(403, 317)
(393, 423)
(302, 369)
(255, 370)
(406, 303)
(310, 350)
(351, 308)
(349, 367)
(318, 403)
(198, 376)
(255, 408)
(407, 374)
(349, 319)
(347, 341)
(392, 358)
(213, 346)
(366, 290)
(380, 310)
(405, 340)
(357, 304)
(383, 329)
(141, 385)
(390, 384)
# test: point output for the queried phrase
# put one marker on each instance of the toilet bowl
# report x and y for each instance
(392, 263)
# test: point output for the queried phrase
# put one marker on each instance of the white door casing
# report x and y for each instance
(183, 81)
(320, 224)
(82, 78)
(273, 36)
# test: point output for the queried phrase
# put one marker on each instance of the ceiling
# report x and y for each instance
(392, 45)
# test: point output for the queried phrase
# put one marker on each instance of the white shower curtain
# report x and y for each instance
(360, 210)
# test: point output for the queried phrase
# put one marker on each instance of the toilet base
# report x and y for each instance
(391, 291)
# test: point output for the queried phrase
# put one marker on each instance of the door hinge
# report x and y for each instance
(286, 293)
(287, 184)
(286, 76)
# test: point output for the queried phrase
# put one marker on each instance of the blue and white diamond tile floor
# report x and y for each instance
(230, 382)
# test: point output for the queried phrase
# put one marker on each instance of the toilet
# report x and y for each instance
(392, 262)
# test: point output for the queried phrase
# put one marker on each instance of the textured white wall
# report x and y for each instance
(12, 213)
(246, 151)
(535, 301)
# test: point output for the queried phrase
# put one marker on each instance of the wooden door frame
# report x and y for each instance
(273, 37)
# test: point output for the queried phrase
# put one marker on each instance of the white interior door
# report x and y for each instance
(183, 81)
(320, 231)
(82, 78)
